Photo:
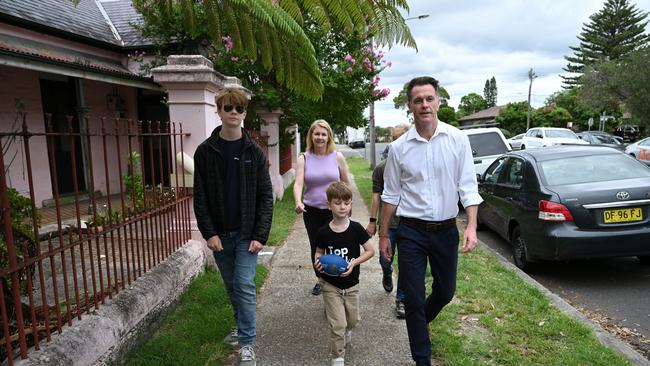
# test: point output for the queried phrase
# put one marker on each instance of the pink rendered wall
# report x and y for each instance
(95, 94)
(24, 84)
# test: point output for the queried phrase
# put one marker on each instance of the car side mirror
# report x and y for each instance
(479, 178)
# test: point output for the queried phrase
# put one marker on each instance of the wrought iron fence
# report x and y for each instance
(95, 248)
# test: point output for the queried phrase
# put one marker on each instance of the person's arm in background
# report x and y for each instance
(371, 228)
(375, 203)
(390, 198)
(299, 184)
(343, 168)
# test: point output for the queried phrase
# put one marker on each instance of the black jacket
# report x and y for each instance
(256, 190)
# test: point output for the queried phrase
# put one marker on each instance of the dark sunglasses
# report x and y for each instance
(228, 108)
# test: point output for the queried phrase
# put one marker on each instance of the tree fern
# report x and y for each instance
(271, 30)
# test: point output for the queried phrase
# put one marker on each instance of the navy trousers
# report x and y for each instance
(416, 248)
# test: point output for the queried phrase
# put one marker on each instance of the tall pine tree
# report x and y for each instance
(490, 92)
(611, 34)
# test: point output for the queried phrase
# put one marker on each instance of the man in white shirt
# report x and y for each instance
(426, 170)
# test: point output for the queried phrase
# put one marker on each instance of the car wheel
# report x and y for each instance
(644, 259)
(523, 147)
(519, 250)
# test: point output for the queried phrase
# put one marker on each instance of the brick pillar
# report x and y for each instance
(272, 127)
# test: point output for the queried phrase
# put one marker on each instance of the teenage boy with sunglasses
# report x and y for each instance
(233, 204)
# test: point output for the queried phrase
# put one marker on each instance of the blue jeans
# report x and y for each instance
(440, 249)
(387, 266)
(237, 267)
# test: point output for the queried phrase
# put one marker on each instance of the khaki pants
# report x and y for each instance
(342, 310)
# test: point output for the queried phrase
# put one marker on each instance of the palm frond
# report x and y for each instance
(389, 27)
(187, 13)
(317, 11)
(339, 14)
(214, 22)
(293, 9)
(265, 46)
(248, 40)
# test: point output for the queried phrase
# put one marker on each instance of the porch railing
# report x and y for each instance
(95, 248)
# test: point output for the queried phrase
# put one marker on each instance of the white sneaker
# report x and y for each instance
(232, 338)
(348, 337)
(247, 356)
(339, 361)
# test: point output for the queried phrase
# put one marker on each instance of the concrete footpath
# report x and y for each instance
(291, 324)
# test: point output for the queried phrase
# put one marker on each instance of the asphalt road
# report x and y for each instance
(615, 292)
(364, 152)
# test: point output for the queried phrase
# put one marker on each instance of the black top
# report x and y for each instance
(346, 244)
(231, 151)
(255, 190)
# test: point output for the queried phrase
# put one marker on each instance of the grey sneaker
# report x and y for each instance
(232, 338)
(247, 356)
(339, 361)
(400, 312)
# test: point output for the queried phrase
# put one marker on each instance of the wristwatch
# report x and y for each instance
(372, 219)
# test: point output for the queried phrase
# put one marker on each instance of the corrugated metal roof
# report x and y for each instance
(123, 15)
(84, 20)
(50, 53)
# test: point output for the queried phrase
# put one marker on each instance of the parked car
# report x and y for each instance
(549, 136)
(487, 144)
(640, 150)
(628, 132)
(515, 141)
(357, 144)
(601, 138)
(567, 202)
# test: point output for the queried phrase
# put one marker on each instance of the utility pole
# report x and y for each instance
(531, 76)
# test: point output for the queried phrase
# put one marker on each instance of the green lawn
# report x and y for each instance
(193, 334)
(498, 319)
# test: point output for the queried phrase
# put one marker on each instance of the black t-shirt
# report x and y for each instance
(231, 151)
(347, 245)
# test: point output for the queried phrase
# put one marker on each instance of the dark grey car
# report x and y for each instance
(568, 202)
(601, 138)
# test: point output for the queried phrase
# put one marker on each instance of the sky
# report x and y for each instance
(465, 42)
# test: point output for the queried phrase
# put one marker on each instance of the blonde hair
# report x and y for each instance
(399, 130)
(231, 96)
(338, 191)
(330, 138)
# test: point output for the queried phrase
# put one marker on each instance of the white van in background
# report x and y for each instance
(488, 143)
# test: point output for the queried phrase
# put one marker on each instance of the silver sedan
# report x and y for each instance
(640, 150)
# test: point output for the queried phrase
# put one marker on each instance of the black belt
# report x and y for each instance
(429, 225)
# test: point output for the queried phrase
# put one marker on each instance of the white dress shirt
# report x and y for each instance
(424, 178)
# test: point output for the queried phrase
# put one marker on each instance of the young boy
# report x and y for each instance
(345, 238)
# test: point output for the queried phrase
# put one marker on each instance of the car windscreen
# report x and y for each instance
(594, 168)
(604, 139)
(485, 144)
(560, 134)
